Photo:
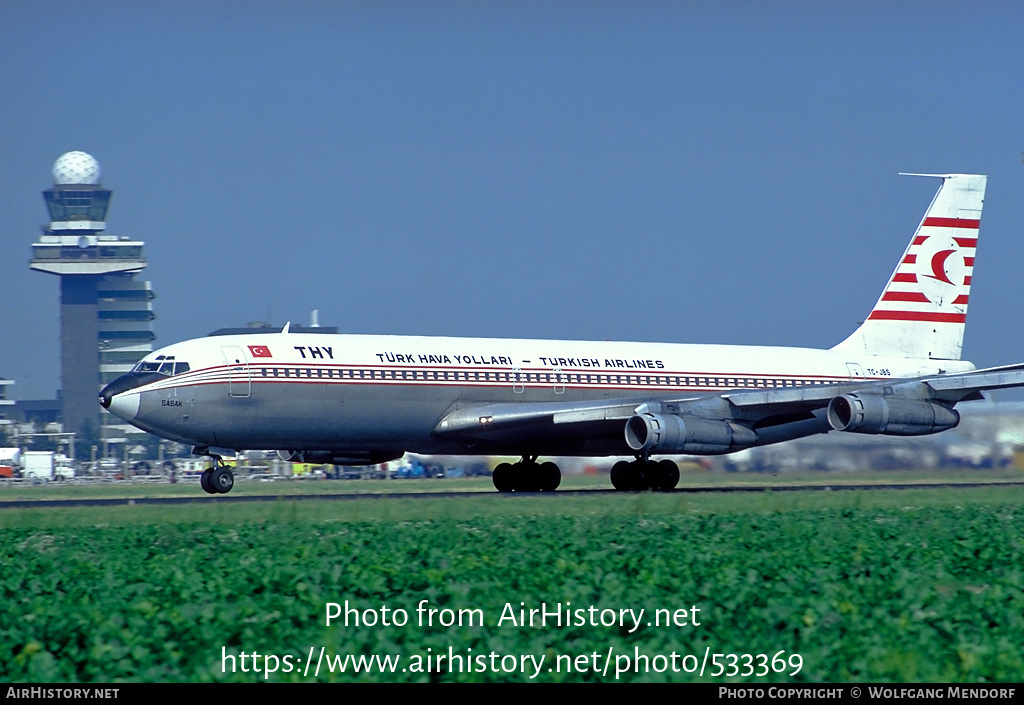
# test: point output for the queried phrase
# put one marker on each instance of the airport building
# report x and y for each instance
(106, 314)
(5, 404)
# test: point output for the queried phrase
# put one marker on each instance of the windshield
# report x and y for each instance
(165, 365)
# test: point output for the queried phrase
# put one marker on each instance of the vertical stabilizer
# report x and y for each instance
(923, 310)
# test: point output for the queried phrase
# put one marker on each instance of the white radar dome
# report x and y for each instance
(76, 168)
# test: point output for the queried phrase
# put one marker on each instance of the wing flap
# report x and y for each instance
(810, 396)
(611, 413)
(478, 420)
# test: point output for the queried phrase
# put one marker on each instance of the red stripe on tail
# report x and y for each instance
(918, 316)
(951, 223)
(914, 296)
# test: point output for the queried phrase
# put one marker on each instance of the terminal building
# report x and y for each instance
(106, 314)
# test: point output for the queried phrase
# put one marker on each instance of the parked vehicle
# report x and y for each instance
(46, 465)
(10, 461)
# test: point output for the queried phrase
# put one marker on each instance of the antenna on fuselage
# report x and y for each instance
(286, 327)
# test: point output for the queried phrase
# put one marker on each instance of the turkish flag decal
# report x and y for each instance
(260, 351)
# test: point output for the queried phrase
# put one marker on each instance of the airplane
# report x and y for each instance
(368, 399)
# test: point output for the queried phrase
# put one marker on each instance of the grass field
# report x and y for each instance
(893, 585)
(190, 486)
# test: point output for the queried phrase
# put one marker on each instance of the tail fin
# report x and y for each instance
(923, 310)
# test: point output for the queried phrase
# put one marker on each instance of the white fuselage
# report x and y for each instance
(373, 392)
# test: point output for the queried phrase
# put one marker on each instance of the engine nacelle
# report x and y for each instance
(670, 433)
(867, 413)
(330, 457)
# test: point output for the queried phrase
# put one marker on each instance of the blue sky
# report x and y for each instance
(681, 172)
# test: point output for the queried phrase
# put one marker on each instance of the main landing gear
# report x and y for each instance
(645, 474)
(218, 478)
(526, 476)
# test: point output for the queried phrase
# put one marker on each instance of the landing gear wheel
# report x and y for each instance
(222, 480)
(621, 476)
(550, 477)
(504, 478)
(529, 477)
(204, 481)
(668, 476)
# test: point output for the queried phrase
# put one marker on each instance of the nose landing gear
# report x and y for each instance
(218, 478)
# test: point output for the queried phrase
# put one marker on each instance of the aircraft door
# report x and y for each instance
(559, 379)
(239, 374)
(856, 372)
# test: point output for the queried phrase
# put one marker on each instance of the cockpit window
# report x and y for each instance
(163, 365)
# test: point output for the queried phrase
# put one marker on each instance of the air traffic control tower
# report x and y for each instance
(105, 314)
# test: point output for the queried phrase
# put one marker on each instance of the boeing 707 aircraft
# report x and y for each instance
(367, 399)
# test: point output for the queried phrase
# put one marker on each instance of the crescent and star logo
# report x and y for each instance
(259, 351)
(939, 266)
(943, 270)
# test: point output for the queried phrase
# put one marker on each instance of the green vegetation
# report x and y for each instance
(901, 585)
(189, 487)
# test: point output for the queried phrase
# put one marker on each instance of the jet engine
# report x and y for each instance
(344, 457)
(671, 433)
(866, 413)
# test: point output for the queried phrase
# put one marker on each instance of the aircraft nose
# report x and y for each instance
(124, 405)
(119, 385)
(118, 397)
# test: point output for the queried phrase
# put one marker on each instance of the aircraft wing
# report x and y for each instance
(951, 387)
(891, 407)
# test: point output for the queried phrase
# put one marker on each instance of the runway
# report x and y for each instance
(476, 494)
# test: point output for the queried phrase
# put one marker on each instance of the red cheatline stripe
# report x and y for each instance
(914, 296)
(952, 223)
(918, 316)
(905, 278)
(962, 299)
(909, 259)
